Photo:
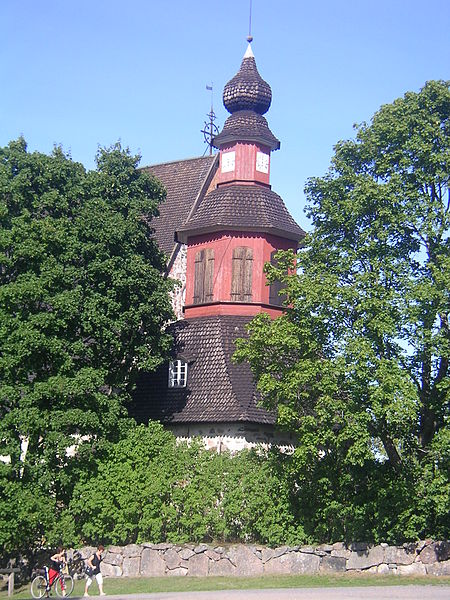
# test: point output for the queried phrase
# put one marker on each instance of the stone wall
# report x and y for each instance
(178, 272)
(233, 437)
(156, 560)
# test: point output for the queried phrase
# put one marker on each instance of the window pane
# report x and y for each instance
(177, 373)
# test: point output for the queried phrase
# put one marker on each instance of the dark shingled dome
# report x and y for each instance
(248, 207)
(246, 125)
(247, 90)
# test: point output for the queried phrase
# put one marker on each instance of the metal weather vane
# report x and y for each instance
(210, 129)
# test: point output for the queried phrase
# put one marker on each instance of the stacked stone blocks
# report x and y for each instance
(157, 560)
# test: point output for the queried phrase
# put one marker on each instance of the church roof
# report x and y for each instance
(217, 389)
(242, 207)
(185, 181)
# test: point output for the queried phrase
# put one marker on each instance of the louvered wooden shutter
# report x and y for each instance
(236, 274)
(247, 275)
(242, 274)
(199, 277)
(204, 276)
(208, 287)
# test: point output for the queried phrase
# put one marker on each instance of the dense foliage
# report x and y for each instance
(148, 488)
(358, 366)
(83, 303)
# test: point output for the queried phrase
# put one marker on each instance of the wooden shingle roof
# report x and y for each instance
(247, 90)
(217, 389)
(185, 181)
(249, 126)
(242, 207)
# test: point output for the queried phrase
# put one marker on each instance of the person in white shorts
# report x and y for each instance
(93, 571)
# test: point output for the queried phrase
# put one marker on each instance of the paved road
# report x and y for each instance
(401, 592)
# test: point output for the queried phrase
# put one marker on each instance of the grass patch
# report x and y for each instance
(140, 585)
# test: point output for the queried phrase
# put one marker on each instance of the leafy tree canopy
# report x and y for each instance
(358, 366)
(83, 304)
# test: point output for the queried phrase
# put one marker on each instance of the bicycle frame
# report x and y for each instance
(62, 584)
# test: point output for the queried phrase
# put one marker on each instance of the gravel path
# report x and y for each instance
(400, 592)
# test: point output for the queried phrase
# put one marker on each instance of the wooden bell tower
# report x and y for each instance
(242, 223)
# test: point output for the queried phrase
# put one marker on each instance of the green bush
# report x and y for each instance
(148, 488)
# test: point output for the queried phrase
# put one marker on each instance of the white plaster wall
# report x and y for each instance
(234, 437)
(178, 272)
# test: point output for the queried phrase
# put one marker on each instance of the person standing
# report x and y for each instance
(93, 564)
(57, 561)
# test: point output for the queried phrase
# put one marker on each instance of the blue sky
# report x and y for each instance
(83, 73)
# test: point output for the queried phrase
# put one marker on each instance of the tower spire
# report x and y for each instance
(240, 222)
(250, 37)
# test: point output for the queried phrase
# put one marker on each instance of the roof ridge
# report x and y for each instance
(171, 162)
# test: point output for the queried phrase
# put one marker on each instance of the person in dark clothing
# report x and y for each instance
(93, 564)
(57, 560)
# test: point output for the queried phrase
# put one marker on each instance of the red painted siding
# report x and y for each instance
(245, 164)
(223, 245)
(232, 308)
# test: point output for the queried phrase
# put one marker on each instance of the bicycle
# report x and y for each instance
(63, 584)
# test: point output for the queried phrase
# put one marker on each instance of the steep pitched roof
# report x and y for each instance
(217, 389)
(185, 182)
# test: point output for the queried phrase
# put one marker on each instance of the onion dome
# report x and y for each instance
(247, 90)
(247, 97)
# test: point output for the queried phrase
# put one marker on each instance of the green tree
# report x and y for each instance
(358, 366)
(83, 305)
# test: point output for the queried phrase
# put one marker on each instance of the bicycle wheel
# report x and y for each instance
(64, 585)
(38, 586)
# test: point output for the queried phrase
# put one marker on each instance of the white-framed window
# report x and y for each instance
(177, 373)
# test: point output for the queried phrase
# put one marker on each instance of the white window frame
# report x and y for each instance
(177, 373)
